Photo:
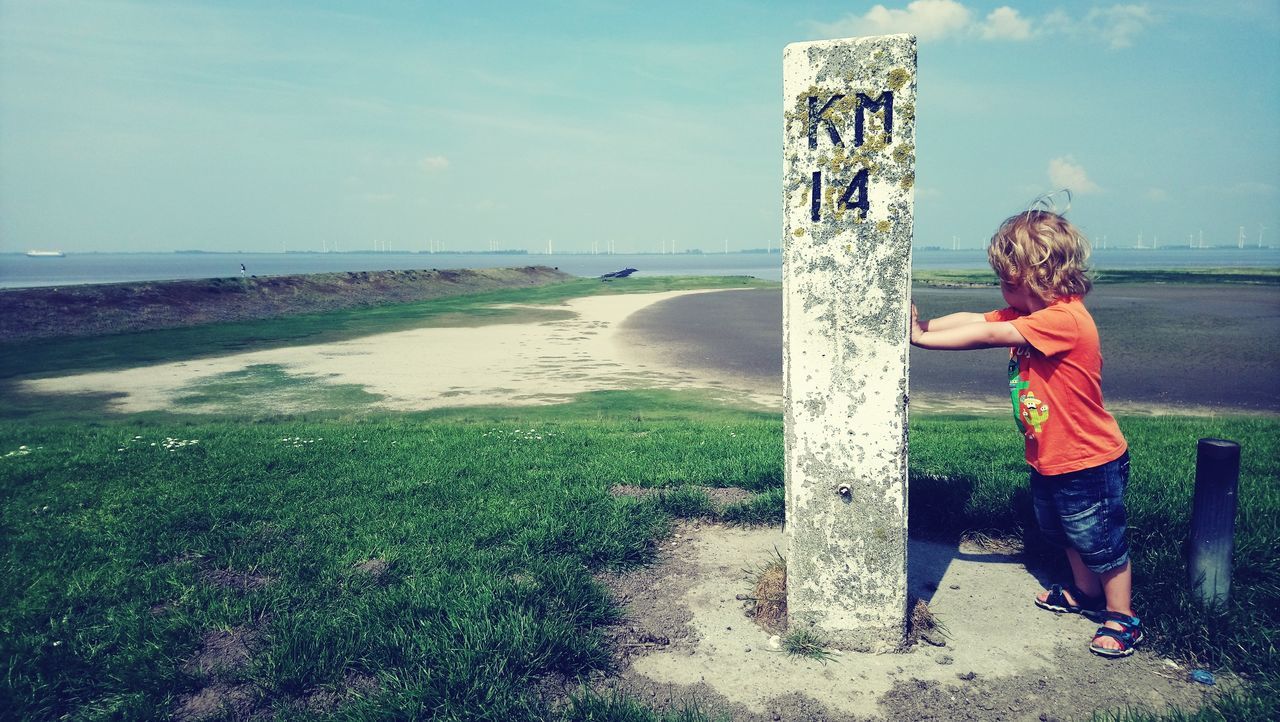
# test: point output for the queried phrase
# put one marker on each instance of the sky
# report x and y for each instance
(225, 125)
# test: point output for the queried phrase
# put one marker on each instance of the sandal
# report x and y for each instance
(1089, 607)
(1128, 636)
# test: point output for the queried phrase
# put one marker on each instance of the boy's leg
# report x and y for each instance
(1117, 584)
(1093, 533)
(1085, 579)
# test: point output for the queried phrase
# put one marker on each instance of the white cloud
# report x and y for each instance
(1065, 172)
(1116, 25)
(1119, 23)
(1158, 195)
(926, 19)
(433, 163)
(1057, 21)
(1004, 23)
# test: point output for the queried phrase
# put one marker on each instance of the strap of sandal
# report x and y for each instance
(1056, 596)
(1124, 620)
(1125, 637)
(1083, 601)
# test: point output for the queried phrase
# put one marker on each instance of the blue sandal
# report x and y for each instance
(1128, 637)
(1089, 607)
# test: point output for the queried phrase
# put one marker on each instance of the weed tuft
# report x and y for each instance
(807, 643)
(769, 594)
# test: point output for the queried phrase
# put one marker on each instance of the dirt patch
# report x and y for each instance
(720, 496)
(219, 663)
(373, 567)
(221, 652)
(354, 684)
(687, 639)
(218, 659)
(217, 700)
(664, 621)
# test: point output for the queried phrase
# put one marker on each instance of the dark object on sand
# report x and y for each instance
(618, 274)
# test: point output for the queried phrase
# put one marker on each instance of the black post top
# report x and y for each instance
(1219, 448)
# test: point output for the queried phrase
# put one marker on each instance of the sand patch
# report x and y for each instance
(508, 364)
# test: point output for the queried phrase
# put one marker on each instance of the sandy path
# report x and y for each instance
(507, 364)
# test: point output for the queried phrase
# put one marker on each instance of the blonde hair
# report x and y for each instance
(1042, 251)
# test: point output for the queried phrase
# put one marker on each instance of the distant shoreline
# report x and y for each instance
(18, 271)
(98, 309)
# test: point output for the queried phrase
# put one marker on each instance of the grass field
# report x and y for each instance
(441, 564)
(443, 561)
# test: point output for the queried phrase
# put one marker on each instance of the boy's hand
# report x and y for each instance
(916, 328)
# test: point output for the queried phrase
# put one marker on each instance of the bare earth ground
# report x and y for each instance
(686, 636)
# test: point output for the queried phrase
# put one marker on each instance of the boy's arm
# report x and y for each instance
(942, 323)
(963, 331)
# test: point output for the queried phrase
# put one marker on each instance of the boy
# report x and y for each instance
(1079, 458)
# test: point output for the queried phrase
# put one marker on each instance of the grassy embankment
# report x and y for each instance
(374, 566)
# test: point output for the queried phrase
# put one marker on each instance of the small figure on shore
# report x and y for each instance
(242, 270)
(1079, 459)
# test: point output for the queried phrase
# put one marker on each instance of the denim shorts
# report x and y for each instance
(1084, 510)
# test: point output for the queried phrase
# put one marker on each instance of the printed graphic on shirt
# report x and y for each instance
(1028, 411)
(1034, 411)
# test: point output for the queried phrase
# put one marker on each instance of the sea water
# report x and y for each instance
(20, 271)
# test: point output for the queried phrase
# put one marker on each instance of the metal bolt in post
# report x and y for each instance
(1213, 519)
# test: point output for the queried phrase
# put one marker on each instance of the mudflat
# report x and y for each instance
(1166, 347)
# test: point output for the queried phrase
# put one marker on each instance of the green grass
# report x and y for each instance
(491, 523)
(686, 502)
(1230, 276)
(594, 708)
(56, 356)
(806, 643)
(490, 528)
(248, 391)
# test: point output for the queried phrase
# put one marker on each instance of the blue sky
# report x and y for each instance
(139, 126)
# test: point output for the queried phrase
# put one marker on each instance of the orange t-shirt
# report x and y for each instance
(1055, 385)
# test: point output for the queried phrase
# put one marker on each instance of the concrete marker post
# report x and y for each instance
(848, 192)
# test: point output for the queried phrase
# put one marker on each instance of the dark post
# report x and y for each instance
(1213, 519)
